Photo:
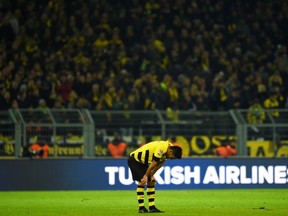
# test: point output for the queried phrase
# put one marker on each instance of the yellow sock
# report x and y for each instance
(151, 195)
(140, 196)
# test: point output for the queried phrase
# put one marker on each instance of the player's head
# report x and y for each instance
(174, 152)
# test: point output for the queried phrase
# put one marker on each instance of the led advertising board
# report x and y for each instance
(114, 174)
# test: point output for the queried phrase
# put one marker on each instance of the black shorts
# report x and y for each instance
(138, 170)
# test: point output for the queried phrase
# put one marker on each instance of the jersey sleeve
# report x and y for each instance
(159, 152)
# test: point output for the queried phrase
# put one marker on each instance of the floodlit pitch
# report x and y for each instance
(173, 202)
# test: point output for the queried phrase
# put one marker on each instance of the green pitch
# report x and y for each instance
(173, 202)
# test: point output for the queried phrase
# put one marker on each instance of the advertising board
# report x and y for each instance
(114, 174)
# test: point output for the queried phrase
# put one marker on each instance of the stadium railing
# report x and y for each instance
(86, 133)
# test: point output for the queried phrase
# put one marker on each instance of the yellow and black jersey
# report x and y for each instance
(155, 150)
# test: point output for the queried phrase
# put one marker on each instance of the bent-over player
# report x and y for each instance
(144, 162)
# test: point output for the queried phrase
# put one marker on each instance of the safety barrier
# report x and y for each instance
(83, 133)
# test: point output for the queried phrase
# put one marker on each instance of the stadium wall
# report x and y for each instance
(113, 174)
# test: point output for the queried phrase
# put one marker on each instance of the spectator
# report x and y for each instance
(94, 95)
(37, 150)
(226, 150)
(272, 102)
(5, 100)
(80, 85)
(234, 100)
(64, 86)
(185, 101)
(256, 113)
(117, 146)
(43, 107)
(219, 94)
(82, 103)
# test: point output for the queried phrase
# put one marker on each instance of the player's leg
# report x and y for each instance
(140, 198)
(151, 193)
(151, 196)
(138, 171)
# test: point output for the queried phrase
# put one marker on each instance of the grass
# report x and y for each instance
(174, 202)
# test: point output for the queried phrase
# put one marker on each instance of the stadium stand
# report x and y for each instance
(143, 55)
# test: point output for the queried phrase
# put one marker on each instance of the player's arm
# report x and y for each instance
(155, 165)
(158, 166)
(152, 166)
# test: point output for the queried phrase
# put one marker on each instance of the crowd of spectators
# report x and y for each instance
(143, 55)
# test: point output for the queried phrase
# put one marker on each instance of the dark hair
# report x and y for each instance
(177, 151)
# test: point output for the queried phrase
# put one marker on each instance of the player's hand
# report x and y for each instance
(144, 180)
(153, 179)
